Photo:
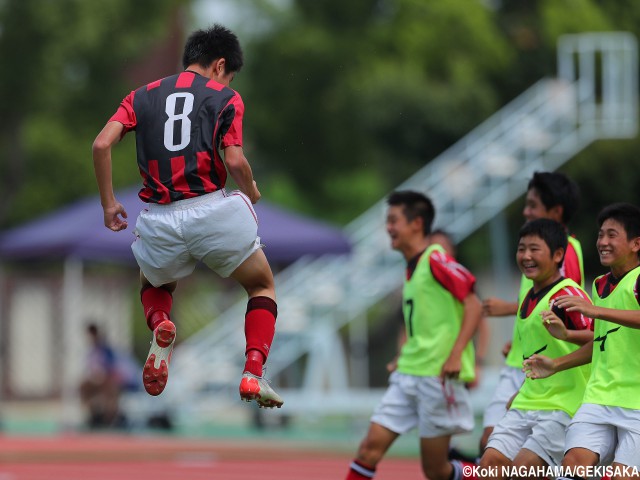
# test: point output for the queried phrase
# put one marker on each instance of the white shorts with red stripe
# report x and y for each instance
(220, 229)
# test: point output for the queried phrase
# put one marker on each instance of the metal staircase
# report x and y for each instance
(593, 97)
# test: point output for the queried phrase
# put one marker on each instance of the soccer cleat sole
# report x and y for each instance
(156, 369)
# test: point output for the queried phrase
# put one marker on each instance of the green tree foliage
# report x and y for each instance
(364, 93)
(348, 99)
(532, 29)
(345, 99)
(64, 66)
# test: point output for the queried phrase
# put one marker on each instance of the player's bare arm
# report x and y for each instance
(402, 339)
(240, 171)
(626, 318)
(114, 212)
(496, 307)
(470, 320)
(556, 327)
(540, 366)
(482, 339)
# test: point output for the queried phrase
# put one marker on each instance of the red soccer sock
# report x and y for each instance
(259, 329)
(360, 471)
(156, 303)
(254, 362)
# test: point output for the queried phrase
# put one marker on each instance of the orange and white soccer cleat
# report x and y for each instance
(257, 388)
(156, 369)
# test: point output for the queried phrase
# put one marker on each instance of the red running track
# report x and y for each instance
(122, 457)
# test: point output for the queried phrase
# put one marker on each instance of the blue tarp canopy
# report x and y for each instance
(77, 230)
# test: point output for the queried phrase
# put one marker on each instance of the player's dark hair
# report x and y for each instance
(205, 46)
(625, 214)
(415, 204)
(550, 231)
(555, 188)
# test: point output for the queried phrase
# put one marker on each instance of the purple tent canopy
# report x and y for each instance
(77, 230)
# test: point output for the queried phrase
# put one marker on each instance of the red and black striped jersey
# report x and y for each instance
(182, 123)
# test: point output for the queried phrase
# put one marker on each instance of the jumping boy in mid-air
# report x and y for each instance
(441, 313)
(188, 136)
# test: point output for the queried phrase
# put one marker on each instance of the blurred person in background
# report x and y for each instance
(102, 383)
(188, 136)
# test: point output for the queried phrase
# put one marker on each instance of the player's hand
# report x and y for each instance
(112, 218)
(476, 381)
(554, 325)
(572, 303)
(392, 365)
(451, 368)
(506, 348)
(496, 307)
(538, 366)
(256, 193)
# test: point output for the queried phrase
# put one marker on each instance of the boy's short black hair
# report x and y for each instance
(205, 46)
(555, 188)
(553, 234)
(415, 205)
(625, 214)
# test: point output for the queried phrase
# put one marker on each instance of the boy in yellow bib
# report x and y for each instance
(441, 313)
(531, 434)
(606, 428)
(550, 195)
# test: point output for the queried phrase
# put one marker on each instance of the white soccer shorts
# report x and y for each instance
(611, 432)
(220, 229)
(510, 381)
(411, 401)
(540, 431)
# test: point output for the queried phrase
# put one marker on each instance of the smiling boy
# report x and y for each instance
(555, 196)
(531, 434)
(441, 312)
(606, 428)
